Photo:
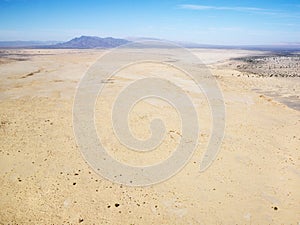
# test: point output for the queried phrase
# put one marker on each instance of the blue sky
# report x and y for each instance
(207, 21)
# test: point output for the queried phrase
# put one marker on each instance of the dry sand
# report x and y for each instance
(44, 179)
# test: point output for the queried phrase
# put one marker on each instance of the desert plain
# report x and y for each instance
(254, 179)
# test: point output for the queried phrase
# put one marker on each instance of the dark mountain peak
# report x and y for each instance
(92, 42)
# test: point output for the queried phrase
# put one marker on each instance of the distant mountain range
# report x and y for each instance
(90, 42)
(85, 42)
(18, 44)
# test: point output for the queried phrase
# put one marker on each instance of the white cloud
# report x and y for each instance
(253, 10)
(242, 9)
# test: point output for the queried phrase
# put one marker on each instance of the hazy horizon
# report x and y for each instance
(34, 43)
(250, 22)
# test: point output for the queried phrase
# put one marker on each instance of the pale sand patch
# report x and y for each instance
(44, 179)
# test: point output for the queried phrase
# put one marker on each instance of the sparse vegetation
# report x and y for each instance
(276, 65)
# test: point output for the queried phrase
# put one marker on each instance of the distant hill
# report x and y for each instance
(19, 44)
(144, 39)
(86, 42)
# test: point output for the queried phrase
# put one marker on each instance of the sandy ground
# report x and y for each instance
(45, 180)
